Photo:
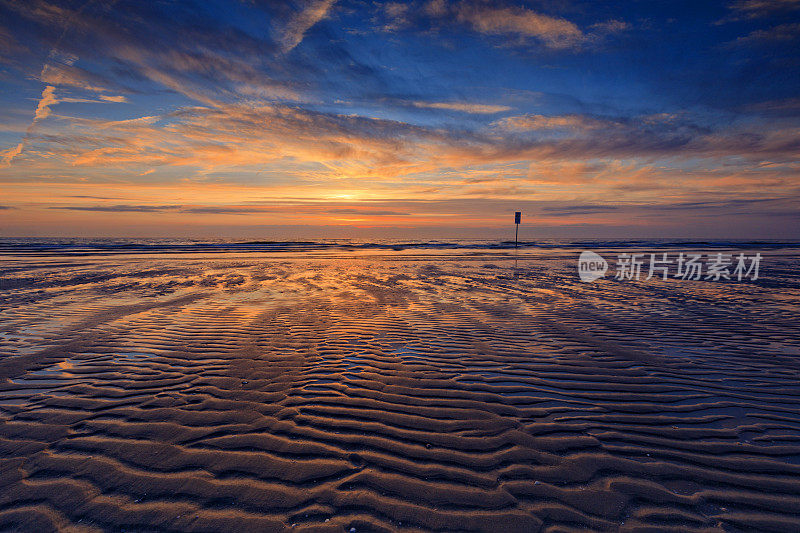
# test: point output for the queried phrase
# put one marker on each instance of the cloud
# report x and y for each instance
(781, 34)
(366, 212)
(322, 152)
(230, 117)
(120, 208)
(554, 32)
(610, 27)
(541, 122)
(43, 108)
(130, 123)
(273, 122)
(762, 8)
(581, 209)
(736, 206)
(5, 207)
(213, 210)
(73, 76)
(396, 16)
(10, 48)
(519, 25)
(781, 106)
(480, 109)
(117, 99)
(42, 111)
(46, 101)
(10, 154)
(90, 197)
(225, 209)
(437, 8)
(297, 26)
(209, 63)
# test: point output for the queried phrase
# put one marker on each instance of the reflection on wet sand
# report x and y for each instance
(394, 392)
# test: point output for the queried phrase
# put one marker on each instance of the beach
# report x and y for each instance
(393, 389)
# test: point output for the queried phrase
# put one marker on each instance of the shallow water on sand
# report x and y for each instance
(480, 391)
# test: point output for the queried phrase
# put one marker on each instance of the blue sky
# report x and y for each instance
(641, 118)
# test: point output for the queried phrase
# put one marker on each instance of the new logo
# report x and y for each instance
(591, 266)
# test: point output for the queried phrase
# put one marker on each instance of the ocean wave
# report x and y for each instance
(87, 246)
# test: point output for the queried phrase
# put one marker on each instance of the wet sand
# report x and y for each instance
(394, 392)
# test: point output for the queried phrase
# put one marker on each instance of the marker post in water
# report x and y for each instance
(517, 220)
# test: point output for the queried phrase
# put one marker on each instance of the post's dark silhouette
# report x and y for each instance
(517, 220)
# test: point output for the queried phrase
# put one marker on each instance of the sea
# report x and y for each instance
(110, 246)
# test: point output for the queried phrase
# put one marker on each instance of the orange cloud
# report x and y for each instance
(479, 109)
(542, 122)
(296, 28)
(42, 112)
(553, 31)
(48, 98)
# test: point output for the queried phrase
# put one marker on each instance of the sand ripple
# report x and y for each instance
(394, 393)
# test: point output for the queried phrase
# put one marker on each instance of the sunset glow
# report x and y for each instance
(150, 118)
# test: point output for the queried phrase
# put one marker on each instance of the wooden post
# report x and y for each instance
(517, 220)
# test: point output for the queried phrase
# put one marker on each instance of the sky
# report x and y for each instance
(347, 118)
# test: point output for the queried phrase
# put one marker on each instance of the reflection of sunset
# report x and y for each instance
(243, 388)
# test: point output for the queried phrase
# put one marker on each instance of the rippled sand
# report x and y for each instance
(394, 393)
